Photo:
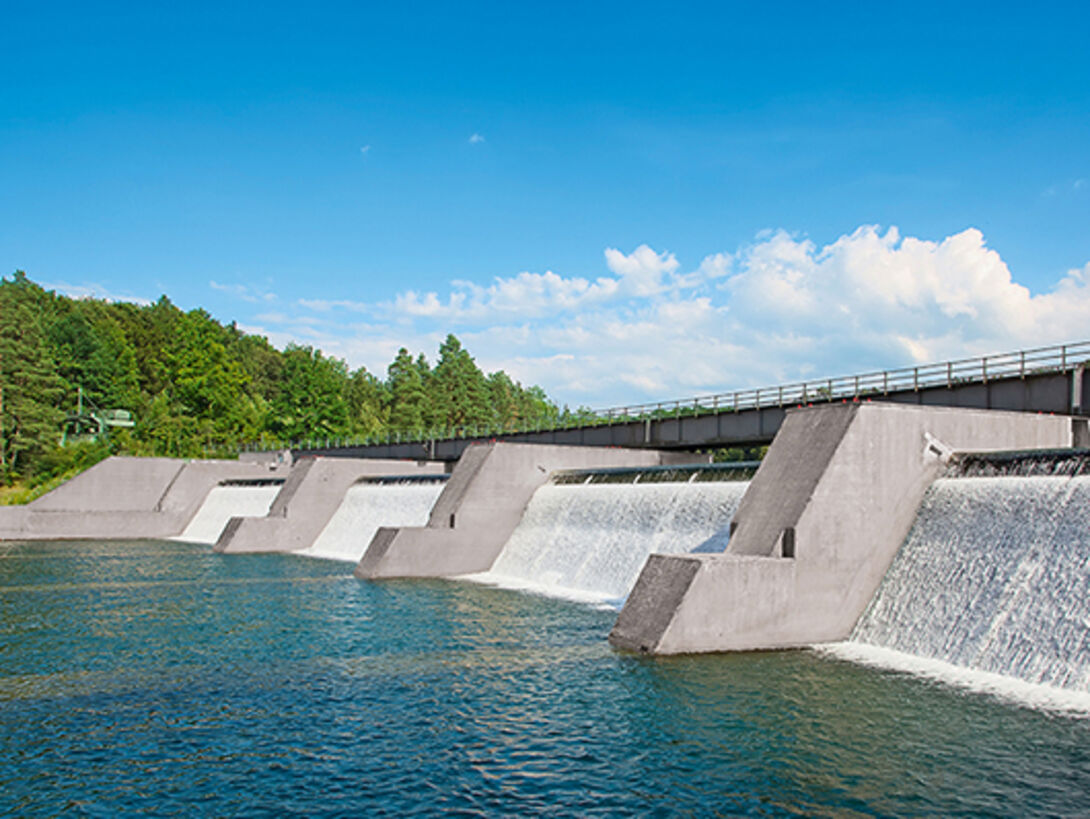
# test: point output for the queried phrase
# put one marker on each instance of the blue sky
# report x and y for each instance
(619, 201)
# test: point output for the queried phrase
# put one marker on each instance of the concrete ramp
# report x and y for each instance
(819, 525)
(307, 502)
(482, 504)
(127, 498)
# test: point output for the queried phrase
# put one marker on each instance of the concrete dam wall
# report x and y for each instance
(481, 505)
(994, 576)
(792, 555)
(308, 501)
(125, 497)
(817, 529)
(588, 540)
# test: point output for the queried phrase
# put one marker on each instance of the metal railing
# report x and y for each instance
(947, 374)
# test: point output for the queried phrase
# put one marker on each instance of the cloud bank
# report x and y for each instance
(780, 308)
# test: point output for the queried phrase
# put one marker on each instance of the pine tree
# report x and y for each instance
(366, 397)
(406, 391)
(459, 390)
(29, 385)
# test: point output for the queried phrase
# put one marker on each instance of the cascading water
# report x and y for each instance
(994, 578)
(224, 503)
(366, 507)
(589, 541)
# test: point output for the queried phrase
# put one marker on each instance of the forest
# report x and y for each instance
(199, 388)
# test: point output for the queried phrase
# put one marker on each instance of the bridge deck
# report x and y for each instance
(1045, 380)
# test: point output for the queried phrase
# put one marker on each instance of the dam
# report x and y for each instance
(585, 535)
(868, 527)
(507, 637)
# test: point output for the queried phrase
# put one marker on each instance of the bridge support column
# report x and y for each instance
(1076, 390)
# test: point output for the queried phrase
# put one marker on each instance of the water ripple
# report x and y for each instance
(177, 682)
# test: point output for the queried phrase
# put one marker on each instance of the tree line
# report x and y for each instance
(201, 388)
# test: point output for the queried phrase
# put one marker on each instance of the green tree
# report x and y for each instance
(311, 402)
(503, 396)
(405, 388)
(458, 389)
(366, 397)
(30, 388)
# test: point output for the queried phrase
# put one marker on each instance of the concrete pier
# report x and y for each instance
(128, 498)
(482, 504)
(818, 527)
(308, 500)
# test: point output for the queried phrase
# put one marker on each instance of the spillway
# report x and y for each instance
(366, 507)
(588, 541)
(225, 502)
(993, 578)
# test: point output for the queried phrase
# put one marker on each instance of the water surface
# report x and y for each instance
(158, 677)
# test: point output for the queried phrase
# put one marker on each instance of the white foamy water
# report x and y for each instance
(992, 581)
(588, 542)
(366, 507)
(1010, 689)
(224, 503)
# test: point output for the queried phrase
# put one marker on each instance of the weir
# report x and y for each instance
(370, 504)
(229, 499)
(993, 577)
(481, 505)
(130, 498)
(819, 525)
(586, 534)
(308, 501)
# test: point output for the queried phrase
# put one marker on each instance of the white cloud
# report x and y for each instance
(643, 270)
(243, 291)
(93, 291)
(364, 150)
(779, 309)
(475, 139)
(325, 305)
(527, 295)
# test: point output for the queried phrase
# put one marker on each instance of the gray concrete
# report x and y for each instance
(838, 490)
(126, 498)
(482, 504)
(307, 501)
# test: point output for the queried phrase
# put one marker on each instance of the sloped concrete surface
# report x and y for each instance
(842, 485)
(126, 498)
(482, 504)
(307, 501)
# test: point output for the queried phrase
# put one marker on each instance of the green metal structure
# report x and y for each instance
(92, 424)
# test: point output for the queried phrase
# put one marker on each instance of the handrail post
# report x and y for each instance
(885, 382)
(915, 379)
(781, 395)
(1063, 357)
(949, 374)
(856, 395)
(1022, 365)
(984, 368)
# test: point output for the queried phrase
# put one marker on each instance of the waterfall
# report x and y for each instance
(993, 578)
(224, 503)
(366, 507)
(589, 541)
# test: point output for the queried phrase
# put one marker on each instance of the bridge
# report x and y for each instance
(1041, 380)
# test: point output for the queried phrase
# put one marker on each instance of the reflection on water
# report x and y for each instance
(160, 677)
